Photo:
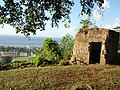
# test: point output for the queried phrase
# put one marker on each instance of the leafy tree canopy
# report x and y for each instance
(87, 23)
(27, 16)
(117, 27)
(66, 47)
(51, 50)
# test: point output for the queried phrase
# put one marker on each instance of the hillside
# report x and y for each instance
(88, 77)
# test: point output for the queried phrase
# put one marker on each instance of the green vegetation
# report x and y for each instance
(6, 59)
(117, 28)
(21, 58)
(51, 50)
(40, 60)
(7, 63)
(66, 47)
(27, 16)
(53, 53)
(86, 23)
(24, 58)
(86, 77)
(49, 54)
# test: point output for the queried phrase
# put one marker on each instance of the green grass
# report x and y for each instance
(22, 59)
(88, 77)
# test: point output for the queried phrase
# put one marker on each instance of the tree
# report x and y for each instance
(51, 50)
(117, 28)
(50, 53)
(66, 47)
(27, 16)
(6, 59)
(86, 23)
(39, 60)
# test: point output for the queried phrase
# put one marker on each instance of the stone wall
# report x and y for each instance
(112, 43)
(86, 43)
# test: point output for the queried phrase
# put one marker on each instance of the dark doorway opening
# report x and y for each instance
(95, 50)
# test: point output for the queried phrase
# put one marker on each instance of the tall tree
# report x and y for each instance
(27, 16)
(66, 47)
(51, 50)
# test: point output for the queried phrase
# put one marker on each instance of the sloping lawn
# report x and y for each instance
(88, 77)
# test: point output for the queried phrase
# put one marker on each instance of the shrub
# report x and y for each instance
(64, 63)
(49, 54)
(66, 47)
(16, 64)
(6, 59)
(38, 60)
(51, 50)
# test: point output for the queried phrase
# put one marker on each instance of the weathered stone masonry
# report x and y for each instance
(95, 45)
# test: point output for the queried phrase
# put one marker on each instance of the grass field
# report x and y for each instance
(88, 77)
(22, 59)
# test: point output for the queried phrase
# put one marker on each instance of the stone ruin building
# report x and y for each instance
(95, 45)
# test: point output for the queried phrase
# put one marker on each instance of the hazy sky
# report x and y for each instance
(109, 19)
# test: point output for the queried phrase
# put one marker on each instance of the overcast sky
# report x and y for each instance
(109, 19)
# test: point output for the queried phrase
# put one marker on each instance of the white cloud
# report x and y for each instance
(106, 4)
(117, 22)
(97, 15)
(108, 26)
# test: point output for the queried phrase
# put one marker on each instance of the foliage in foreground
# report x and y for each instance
(50, 53)
(88, 77)
(27, 16)
(51, 50)
(40, 60)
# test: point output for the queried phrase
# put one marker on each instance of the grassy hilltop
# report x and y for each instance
(88, 77)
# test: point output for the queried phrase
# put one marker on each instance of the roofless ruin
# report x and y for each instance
(96, 45)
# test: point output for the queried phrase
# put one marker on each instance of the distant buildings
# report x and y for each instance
(13, 54)
(15, 51)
